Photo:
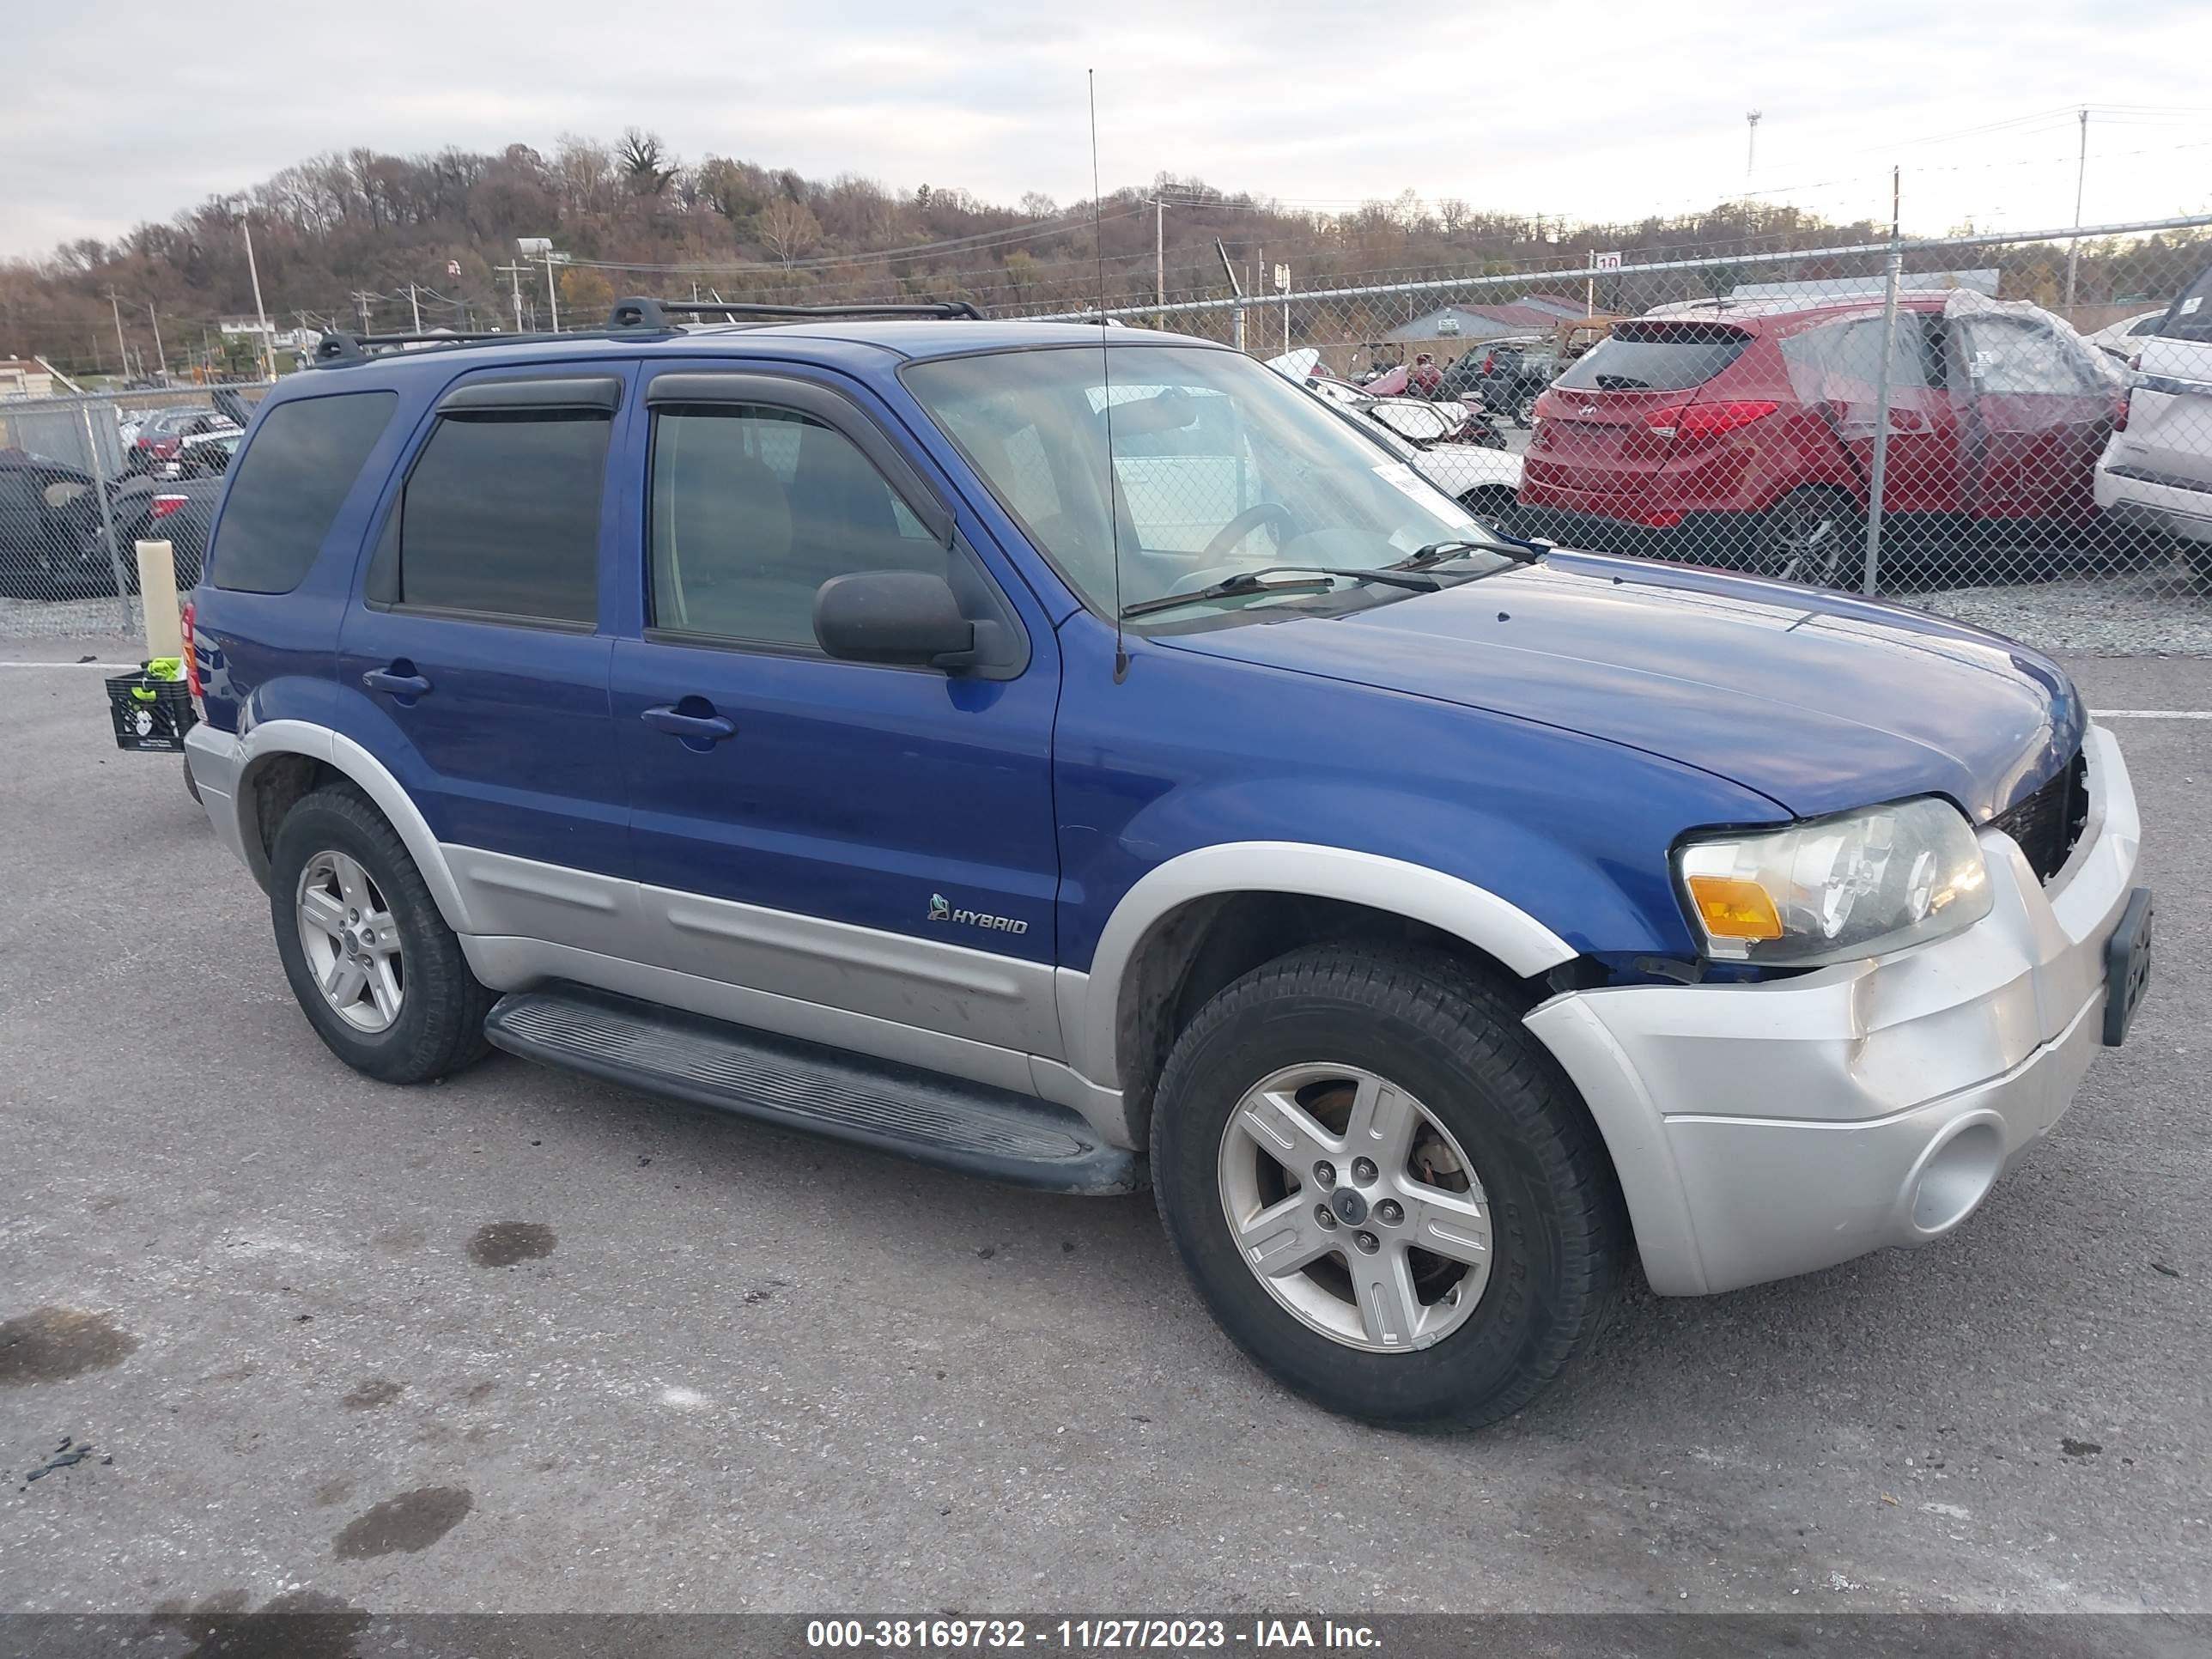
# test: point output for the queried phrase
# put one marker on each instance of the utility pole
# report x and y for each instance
(360, 299)
(1751, 148)
(513, 274)
(1160, 260)
(253, 271)
(161, 356)
(416, 304)
(552, 292)
(2073, 247)
(121, 349)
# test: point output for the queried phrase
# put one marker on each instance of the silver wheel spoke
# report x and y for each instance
(353, 882)
(1284, 1237)
(1449, 1224)
(345, 982)
(1286, 1132)
(1390, 1311)
(1383, 1124)
(384, 986)
(320, 909)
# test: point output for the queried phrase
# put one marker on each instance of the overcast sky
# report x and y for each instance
(117, 111)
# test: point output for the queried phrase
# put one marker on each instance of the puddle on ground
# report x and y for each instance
(503, 1243)
(303, 1624)
(48, 1344)
(374, 1391)
(411, 1522)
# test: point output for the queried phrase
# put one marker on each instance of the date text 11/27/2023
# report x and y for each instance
(1085, 1635)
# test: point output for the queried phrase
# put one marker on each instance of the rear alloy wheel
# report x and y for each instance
(1816, 537)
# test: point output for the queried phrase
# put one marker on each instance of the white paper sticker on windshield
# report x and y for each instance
(2190, 304)
(1424, 495)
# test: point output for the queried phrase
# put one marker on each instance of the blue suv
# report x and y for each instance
(1079, 757)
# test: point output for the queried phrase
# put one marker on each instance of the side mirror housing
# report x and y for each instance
(907, 618)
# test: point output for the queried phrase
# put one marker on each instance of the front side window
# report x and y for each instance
(1218, 465)
(500, 517)
(295, 474)
(2012, 356)
(753, 508)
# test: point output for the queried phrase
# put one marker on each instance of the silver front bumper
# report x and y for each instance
(1765, 1130)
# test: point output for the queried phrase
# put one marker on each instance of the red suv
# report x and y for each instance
(1748, 437)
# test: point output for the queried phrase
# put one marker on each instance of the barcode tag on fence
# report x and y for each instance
(1419, 490)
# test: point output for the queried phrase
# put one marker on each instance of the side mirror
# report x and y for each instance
(902, 617)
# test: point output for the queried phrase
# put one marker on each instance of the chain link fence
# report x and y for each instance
(83, 479)
(2014, 429)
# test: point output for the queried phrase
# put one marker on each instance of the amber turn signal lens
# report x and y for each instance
(1732, 907)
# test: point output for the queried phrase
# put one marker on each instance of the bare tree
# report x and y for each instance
(646, 165)
(788, 229)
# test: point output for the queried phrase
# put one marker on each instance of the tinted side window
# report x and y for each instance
(290, 484)
(501, 516)
(1656, 357)
(754, 508)
(2192, 316)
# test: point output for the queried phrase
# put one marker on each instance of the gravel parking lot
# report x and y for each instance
(526, 1341)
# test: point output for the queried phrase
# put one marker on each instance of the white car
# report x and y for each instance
(2156, 474)
(1486, 481)
(2125, 339)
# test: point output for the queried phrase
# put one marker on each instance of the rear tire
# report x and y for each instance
(1483, 1339)
(1812, 536)
(437, 1024)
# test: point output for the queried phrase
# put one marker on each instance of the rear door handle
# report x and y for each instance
(394, 683)
(693, 728)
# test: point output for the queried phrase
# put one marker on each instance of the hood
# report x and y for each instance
(1819, 702)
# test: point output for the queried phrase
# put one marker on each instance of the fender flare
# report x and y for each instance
(342, 754)
(1090, 1013)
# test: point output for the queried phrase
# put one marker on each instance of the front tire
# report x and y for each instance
(1479, 1234)
(376, 970)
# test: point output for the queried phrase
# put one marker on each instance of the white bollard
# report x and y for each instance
(157, 599)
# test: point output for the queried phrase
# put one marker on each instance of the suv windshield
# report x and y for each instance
(1656, 357)
(1220, 465)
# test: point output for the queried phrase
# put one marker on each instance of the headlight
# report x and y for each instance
(1834, 890)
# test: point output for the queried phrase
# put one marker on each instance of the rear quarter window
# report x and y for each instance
(1656, 357)
(2190, 319)
(290, 484)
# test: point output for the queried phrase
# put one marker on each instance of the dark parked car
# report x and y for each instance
(163, 434)
(49, 528)
(1512, 375)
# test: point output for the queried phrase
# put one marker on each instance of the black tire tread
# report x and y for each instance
(1456, 1007)
(441, 1027)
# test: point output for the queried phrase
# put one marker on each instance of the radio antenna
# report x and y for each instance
(1106, 389)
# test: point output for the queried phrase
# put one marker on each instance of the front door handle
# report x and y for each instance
(692, 728)
(399, 680)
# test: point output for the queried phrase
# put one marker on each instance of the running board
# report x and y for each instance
(969, 1127)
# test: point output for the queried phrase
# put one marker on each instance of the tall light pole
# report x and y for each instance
(115, 306)
(260, 312)
(2081, 178)
(161, 356)
(1751, 147)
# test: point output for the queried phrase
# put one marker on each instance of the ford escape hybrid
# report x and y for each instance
(1085, 761)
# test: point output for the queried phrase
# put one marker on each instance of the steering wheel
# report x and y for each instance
(1243, 525)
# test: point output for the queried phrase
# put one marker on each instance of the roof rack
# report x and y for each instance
(637, 312)
(635, 315)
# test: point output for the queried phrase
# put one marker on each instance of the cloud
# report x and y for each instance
(1625, 110)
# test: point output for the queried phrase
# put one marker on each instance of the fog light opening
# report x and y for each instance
(1955, 1177)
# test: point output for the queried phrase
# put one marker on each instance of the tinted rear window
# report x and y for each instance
(1655, 358)
(502, 516)
(294, 476)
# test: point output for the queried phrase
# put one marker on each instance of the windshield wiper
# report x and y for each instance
(1310, 578)
(1436, 553)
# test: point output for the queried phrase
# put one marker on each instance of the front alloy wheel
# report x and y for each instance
(1354, 1207)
